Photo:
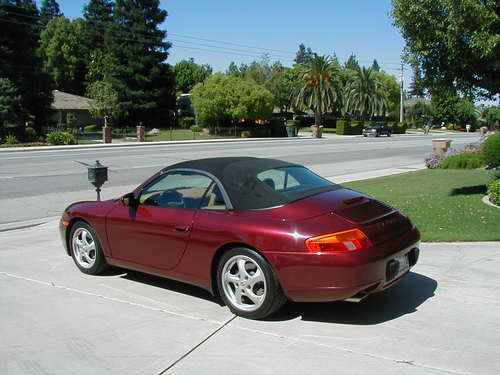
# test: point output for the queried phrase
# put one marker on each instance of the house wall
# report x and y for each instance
(82, 118)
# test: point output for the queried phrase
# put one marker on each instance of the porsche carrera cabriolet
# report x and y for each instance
(255, 232)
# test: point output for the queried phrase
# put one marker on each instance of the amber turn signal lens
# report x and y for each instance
(347, 240)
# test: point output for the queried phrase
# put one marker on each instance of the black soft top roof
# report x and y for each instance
(238, 176)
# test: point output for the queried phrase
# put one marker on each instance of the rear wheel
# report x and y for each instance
(86, 249)
(248, 285)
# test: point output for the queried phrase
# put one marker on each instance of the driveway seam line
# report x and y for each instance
(112, 299)
(197, 346)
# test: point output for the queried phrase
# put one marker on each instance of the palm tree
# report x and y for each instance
(364, 94)
(319, 88)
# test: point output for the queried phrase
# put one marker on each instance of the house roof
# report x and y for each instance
(67, 102)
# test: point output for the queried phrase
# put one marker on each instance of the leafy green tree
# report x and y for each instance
(391, 90)
(420, 112)
(223, 99)
(449, 107)
(65, 54)
(456, 43)
(365, 95)
(10, 101)
(144, 83)
(319, 88)
(304, 55)
(48, 11)
(19, 33)
(492, 117)
(188, 74)
(105, 101)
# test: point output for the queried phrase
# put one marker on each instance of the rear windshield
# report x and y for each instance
(294, 182)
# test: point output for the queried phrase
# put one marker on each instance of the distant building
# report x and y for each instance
(65, 103)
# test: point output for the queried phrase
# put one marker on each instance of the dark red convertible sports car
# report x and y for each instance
(254, 231)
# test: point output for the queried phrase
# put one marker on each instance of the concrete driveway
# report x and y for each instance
(442, 318)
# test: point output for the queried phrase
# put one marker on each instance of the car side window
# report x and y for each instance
(213, 199)
(277, 179)
(178, 189)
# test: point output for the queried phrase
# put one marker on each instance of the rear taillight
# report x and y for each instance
(347, 240)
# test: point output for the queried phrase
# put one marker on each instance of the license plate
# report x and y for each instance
(404, 265)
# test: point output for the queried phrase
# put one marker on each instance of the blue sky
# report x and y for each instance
(217, 32)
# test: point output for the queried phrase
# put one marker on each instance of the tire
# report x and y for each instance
(389, 134)
(86, 249)
(248, 284)
(364, 135)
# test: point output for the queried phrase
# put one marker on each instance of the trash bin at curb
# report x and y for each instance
(440, 146)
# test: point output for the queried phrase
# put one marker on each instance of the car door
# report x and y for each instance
(155, 232)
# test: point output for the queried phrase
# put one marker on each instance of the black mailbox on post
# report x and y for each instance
(98, 175)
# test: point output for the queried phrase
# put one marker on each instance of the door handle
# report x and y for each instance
(182, 228)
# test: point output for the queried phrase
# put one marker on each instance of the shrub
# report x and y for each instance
(11, 139)
(60, 138)
(434, 161)
(463, 160)
(349, 128)
(494, 192)
(398, 128)
(245, 134)
(90, 129)
(30, 134)
(491, 151)
(196, 129)
(187, 122)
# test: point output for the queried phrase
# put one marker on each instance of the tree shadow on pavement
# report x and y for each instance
(403, 298)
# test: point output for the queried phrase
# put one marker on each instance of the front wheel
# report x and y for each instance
(248, 285)
(86, 249)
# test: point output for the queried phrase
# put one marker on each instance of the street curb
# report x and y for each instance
(146, 144)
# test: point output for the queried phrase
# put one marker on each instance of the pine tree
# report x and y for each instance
(142, 80)
(352, 62)
(304, 55)
(375, 65)
(98, 15)
(417, 85)
(48, 11)
(19, 34)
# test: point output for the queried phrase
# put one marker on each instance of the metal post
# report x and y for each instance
(401, 97)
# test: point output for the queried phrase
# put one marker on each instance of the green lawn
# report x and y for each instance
(444, 204)
(177, 135)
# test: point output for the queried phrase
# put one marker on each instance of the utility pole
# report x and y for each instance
(401, 96)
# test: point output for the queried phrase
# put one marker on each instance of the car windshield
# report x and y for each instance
(293, 182)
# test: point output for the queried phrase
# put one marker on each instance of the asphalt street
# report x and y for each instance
(442, 318)
(39, 184)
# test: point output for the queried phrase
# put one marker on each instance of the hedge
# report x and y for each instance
(398, 128)
(349, 128)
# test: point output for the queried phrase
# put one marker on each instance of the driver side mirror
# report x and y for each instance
(129, 200)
